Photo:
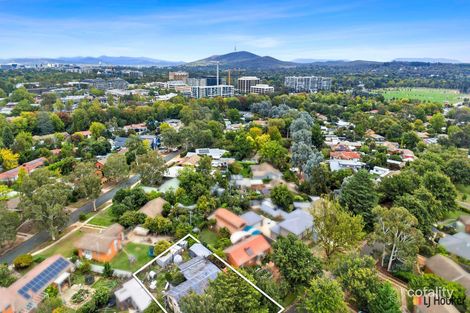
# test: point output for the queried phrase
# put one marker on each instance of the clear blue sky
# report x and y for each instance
(189, 30)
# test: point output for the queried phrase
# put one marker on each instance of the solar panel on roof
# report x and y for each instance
(45, 277)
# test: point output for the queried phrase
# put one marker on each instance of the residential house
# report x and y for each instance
(101, 247)
(226, 219)
(458, 244)
(132, 296)
(336, 165)
(12, 175)
(248, 252)
(252, 219)
(446, 268)
(298, 222)
(372, 135)
(153, 207)
(407, 155)
(27, 292)
(138, 128)
(214, 153)
(345, 155)
(198, 272)
(265, 171)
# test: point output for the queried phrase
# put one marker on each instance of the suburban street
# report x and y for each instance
(36, 240)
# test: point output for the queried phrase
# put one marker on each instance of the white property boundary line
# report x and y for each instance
(281, 308)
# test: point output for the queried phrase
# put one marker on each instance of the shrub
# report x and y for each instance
(23, 261)
(80, 296)
(38, 259)
(101, 296)
(85, 267)
(51, 291)
(82, 217)
(107, 270)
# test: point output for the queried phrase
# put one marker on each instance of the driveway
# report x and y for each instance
(43, 236)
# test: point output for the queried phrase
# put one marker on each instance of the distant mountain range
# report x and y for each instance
(428, 60)
(105, 60)
(242, 59)
(239, 59)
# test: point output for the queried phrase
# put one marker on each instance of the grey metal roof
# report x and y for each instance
(458, 244)
(198, 273)
(297, 222)
(199, 250)
(251, 218)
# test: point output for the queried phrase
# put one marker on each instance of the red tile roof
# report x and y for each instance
(28, 166)
(345, 155)
(247, 250)
(229, 218)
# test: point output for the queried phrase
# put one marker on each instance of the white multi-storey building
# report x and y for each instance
(307, 83)
(245, 83)
(261, 89)
(212, 91)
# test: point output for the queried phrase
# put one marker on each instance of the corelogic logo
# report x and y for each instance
(436, 296)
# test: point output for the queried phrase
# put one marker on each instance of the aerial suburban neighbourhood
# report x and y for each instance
(333, 179)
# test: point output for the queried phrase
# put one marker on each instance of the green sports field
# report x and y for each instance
(424, 94)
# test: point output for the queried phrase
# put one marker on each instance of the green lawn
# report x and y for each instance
(208, 237)
(64, 247)
(104, 218)
(463, 190)
(140, 252)
(424, 94)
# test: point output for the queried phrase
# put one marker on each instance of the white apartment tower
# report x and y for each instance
(245, 83)
(307, 83)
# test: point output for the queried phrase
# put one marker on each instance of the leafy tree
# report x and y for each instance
(424, 206)
(171, 138)
(393, 186)
(437, 122)
(232, 294)
(47, 207)
(97, 129)
(9, 159)
(317, 136)
(358, 195)
(385, 300)
(233, 115)
(29, 183)
(395, 228)
(158, 224)
(135, 146)
(282, 196)
(86, 183)
(295, 260)
(442, 188)
(410, 140)
(132, 218)
(337, 230)
(274, 153)
(323, 296)
(151, 168)
(9, 221)
(6, 277)
(161, 246)
(7, 136)
(195, 303)
(458, 170)
(358, 275)
(301, 153)
(116, 168)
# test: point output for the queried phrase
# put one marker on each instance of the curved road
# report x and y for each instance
(43, 236)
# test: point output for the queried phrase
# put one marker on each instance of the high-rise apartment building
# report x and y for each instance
(212, 91)
(245, 83)
(307, 83)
